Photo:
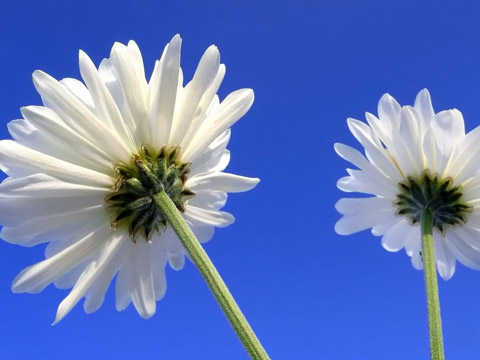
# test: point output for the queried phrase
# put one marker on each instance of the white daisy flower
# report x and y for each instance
(415, 160)
(83, 169)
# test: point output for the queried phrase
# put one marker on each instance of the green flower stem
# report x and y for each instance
(431, 287)
(211, 276)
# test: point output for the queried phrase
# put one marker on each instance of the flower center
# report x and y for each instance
(439, 196)
(131, 201)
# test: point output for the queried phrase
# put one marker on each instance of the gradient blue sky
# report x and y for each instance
(308, 293)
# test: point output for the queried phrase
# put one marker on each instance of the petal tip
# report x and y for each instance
(387, 97)
(176, 39)
(339, 229)
(337, 146)
(37, 75)
(60, 315)
(254, 182)
(424, 92)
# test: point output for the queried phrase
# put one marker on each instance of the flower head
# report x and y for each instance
(84, 167)
(415, 160)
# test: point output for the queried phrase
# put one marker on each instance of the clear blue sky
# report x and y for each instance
(308, 293)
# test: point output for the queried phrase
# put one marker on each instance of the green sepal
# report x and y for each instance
(439, 196)
(150, 172)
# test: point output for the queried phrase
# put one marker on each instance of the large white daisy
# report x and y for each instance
(415, 159)
(82, 170)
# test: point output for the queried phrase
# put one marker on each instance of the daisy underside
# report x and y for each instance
(415, 159)
(84, 169)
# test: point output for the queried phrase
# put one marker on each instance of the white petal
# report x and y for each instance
(395, 238)
(134, 50)
(176, 261)
(17, 210)
(417, 261)
(96, 294)
(132, 79)
(214, 157)
(46, 186)
(448, 127)
(164, 94)
(215, 164)
(471, 190)
(64, 235)
(78, 89)
(449, 122)
(19, 161)
(469, 235)
(362, 213)
(208, 200)
(352, 155)
(159, 261)
(91, 273)
(220, 181)
(444, 257)
(109, 76)
(430, 151)
(465, 245)
(465, 161)
(203, 233)
(143, 293)
(66, 148)
(55, 138)
(380, 129)
(78, 116)
(355, 206)
(381, 229)
(173, 248)
(390, 118)
(123, 284)
(423, 105)
(215, 218)
(69, 278)
(389, 113)
(205, 107)
(473, 219)
(135, 281)
(348, 225)
(413, 247)
(192, 94)
(105, 107)
(46, 228)
(370, 178)
(36, 277)
(365, 182)
(412, 143)
(373, 148)
(230, 110)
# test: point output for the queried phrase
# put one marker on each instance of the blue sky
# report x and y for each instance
(308, 293)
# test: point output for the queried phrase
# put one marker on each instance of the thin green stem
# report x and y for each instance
(431, 287)
(211, 276)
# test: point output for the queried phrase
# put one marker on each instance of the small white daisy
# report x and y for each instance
(415, 159)
(84, 167)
